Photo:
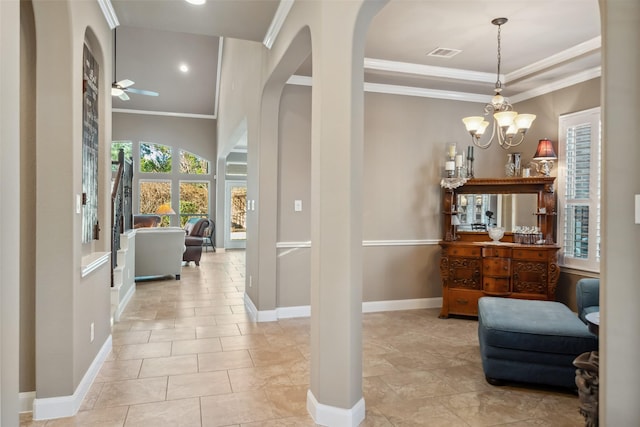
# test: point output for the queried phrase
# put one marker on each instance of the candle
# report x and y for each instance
(449, 166)
(459, 160)
(452, 151)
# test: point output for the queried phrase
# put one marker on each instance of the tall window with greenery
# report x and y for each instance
(155, 158)
(153, 194)
(194, 200)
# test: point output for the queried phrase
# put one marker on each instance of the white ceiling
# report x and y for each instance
(544, 42)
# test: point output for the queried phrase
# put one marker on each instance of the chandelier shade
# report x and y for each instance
(509, 127)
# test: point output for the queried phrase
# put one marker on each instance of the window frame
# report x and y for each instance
(565, 122)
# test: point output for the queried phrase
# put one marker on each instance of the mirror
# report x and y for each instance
(477, 212)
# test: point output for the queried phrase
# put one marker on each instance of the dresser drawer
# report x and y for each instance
(496, 267)
(496, 286)
(463, 302)
(464, 251)
(493, 251)
(530, 254)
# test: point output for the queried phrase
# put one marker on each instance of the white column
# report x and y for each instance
(335, 397)
(9, 210)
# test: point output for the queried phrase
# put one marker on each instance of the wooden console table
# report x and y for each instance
(471, 270)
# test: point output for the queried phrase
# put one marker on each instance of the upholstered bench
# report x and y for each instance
(531, 341)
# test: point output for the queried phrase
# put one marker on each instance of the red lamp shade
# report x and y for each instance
(545, 151)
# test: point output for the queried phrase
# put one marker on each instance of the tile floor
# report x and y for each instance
(186, 354)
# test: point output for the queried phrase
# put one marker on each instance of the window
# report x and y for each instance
(193, 164)
(579, 157)
(153, 194)
(155, 158)
(194, 200)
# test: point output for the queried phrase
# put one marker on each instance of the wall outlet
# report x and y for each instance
(250, 281)
(93, 331)
(297, 205)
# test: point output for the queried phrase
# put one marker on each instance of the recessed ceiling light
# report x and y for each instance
(184, 68)
(198, 2)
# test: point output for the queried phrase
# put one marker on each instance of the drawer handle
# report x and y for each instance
(462, 301)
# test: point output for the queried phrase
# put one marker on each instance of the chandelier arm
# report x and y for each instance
(476, 141)
(510, 144)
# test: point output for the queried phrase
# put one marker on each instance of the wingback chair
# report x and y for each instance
(193, 240)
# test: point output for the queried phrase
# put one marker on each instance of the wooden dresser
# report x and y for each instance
(472, 265)
(471, 270)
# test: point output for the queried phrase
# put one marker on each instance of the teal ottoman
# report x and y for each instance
(531, 341)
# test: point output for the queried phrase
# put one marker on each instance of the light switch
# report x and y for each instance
(297, 205)
(78, 203)
(637, 208)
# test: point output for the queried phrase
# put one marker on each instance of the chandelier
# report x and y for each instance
(509, 127)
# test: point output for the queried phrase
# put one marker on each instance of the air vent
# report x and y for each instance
(444, 52)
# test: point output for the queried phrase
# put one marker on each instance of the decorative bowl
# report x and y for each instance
(496, 233)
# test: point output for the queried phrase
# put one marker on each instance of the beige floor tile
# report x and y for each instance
(104, 417)
(243, 342)
(141, 351)
(236, 408)
(203, 345)
(131, 392)
(172, 365)
(216, 366)
(214, 310)
(275, 356)
(131, 337)
(199, 384)
(288, 401)
(258, 378)
(174, 413)
(119, 370)
(195, 321)
(224, 360)
(216, 331)
(173, 334)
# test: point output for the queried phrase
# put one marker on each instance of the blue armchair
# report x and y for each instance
(587, 297)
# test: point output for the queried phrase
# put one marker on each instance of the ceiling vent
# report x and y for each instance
(444, 52)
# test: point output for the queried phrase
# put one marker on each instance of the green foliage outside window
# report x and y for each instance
(155, 158)
(192, 164)
(194, 200)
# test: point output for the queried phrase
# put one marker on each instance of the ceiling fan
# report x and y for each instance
(120, 88)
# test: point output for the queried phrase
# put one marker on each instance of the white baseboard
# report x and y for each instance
(67, 406)
(326, 415)
(123, 303)
(367, 307)
(401, 304)
(26, 401)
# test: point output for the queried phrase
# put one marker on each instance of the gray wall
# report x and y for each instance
(404, 151)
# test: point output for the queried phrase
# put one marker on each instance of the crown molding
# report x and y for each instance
(566, 55)
(163, 113)
(276, 24)
(429, 70)
(109, 13)
(583, 76)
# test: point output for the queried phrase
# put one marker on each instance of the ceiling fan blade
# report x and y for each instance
(141, 92)
(125, 83)
(124, 96)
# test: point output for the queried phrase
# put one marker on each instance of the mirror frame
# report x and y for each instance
(542, 186)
